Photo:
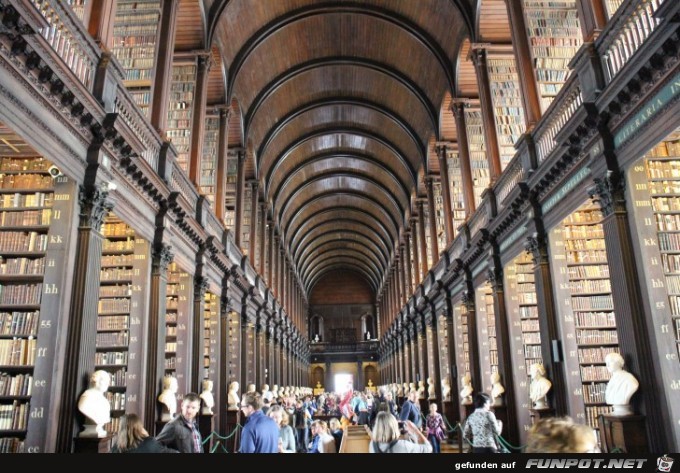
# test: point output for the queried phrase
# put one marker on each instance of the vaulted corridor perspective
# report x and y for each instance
(297, 196)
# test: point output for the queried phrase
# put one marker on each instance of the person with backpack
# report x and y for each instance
(386, 438)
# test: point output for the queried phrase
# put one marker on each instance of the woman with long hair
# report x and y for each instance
(133, 438)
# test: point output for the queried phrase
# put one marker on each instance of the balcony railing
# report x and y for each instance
(358, 347)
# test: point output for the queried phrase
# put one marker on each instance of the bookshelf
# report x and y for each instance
(584, 299)
(456, 191)
(36, 211)
(612, 6)
(135, 34)
(477, 147)
(654, 186)
(250, 353)
(230, 194)
(486, 334)
(439, 214)
(180, 110)
(554, 37)
(232, 347)
(429, 348)
(428, 236)
(443, 343)
(245, 224)
(208, 178)
(460, 314)
(508, 110)
(525, 337)
(211, 315)
(177, 312)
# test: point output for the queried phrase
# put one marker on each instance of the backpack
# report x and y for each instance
(376, 447)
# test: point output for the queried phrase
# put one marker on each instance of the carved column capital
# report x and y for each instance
(494, 276)
(200, 285)
(162, 257)
(94, 205)
(535, 244)
(608, 193)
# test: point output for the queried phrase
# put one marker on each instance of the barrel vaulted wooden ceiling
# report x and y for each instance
(339, 104)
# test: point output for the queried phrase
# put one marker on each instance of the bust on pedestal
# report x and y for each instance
(540, 385)
(168, 399)
(446, 389)
(497, 389)
(431, 395)
(466, 392)
(207, 397)
(620, 387)
(421, 389)
(275, 391)
(94, 405)
(233, 401)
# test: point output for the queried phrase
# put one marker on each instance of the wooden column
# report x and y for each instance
(221, 178)
(537, 245)
(631, 326)
(415, 249)
(259, 345)
(82, 322)
(422, 240)
(155, 347)
(455, 375)
(253, 222)
(495, 279)
(198, 318)
(492, 149)
(263, 239)
(458, 109)
(270, 249)
(446, 193)
(198, 118)
(593, 18)
(160, 88)
(422, 351)
(240, 196)
(402, 275)
(407, 264)
(223, 385)
(98, 19)
(468, 301)
(525, 67)
(432, 222)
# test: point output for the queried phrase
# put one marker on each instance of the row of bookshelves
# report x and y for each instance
(14, 416)
(15, 385)
(19, 323)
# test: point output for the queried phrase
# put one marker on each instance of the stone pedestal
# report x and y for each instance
(93, 444)
(624, 434)
(206, 426)
(234, 442)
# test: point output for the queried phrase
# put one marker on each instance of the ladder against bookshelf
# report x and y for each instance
(477, 148)
(554, 36)
(584, 299)
(208, 178)
(654, 183)
(180, 109)
(36, 211)
(525, 337)
(135, 34)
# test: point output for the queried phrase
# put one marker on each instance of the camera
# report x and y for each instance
(54, 171)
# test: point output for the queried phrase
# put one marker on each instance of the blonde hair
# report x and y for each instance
(130, 433)
(386, 428)
(322, 424)
(560, 435)
(334, 423)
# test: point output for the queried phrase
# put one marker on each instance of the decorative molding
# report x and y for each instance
(200, 285)
(608, 193)
(162, 257)
(94, 206)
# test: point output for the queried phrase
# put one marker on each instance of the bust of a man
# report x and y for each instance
(620, 387)
(497, 388)
(94, 405)
(539, 387)
(446, 389)
(265, 389)
(233, 401)
(207, 397)
(421, 389)
(430, 389)
(275, 391)
(250, 389)
(466, 391)
(168, 399)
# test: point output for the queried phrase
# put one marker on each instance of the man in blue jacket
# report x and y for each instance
(261, 434)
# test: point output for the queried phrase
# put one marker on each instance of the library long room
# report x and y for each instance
(353, 211)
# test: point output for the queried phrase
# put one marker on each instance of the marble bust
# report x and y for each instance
(168, 399)
(466, 391)
(539, 387)
(430, 389)
(421, 389)
(207, 397)
(497, 389)
(233, 401)
(446, 389)
(94, 405)
(620, 387)
(250, 389)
